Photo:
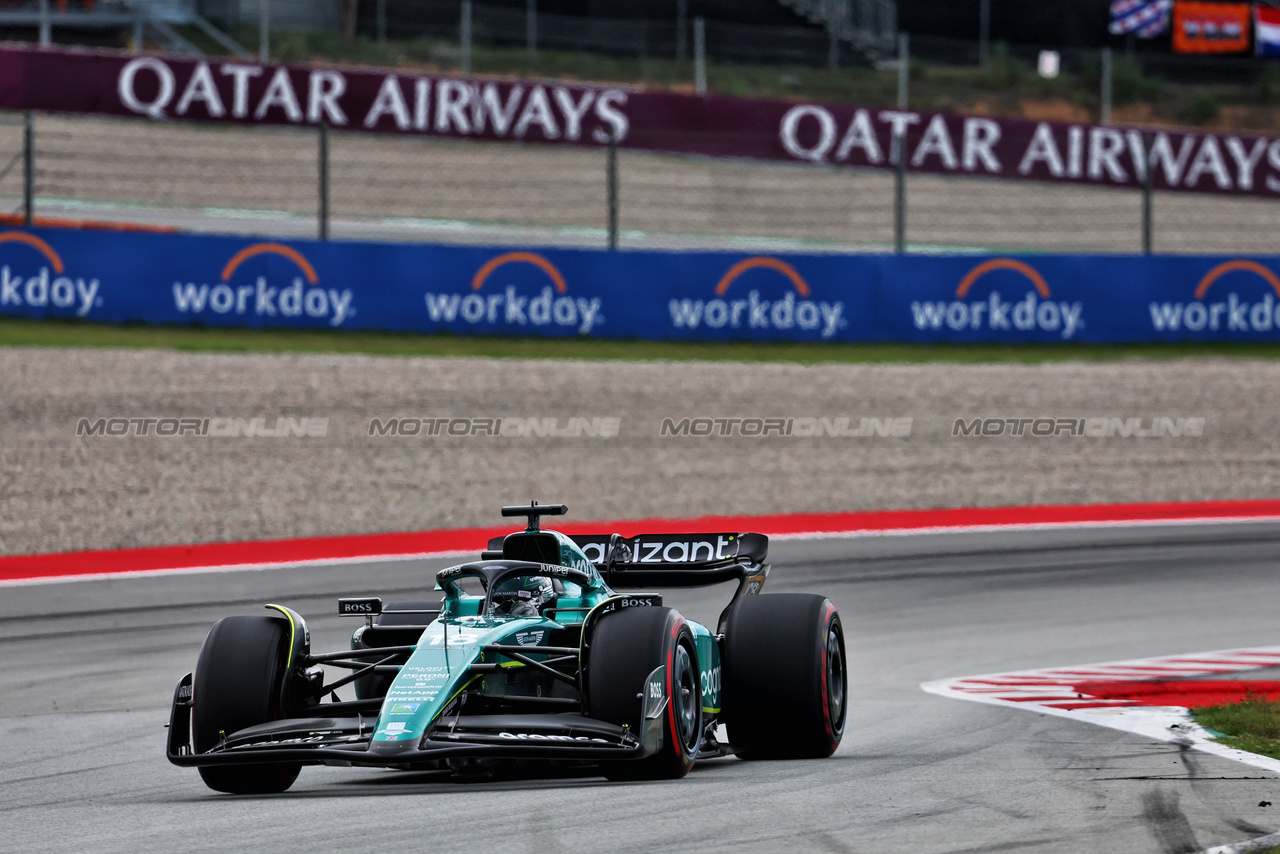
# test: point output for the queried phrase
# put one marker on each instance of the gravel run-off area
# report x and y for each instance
(63, 491)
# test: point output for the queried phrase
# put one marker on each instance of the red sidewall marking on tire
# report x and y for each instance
(671, 694)
(672, 688)
(272, 554)
(827, 722)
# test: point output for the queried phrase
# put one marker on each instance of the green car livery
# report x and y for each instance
(531, 654)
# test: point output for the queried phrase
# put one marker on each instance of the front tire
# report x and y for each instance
(626, 647)
(238, 683)
(785, 683)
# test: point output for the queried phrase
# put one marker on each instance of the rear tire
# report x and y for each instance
(785, 683)
(626, 647)
(238, 682)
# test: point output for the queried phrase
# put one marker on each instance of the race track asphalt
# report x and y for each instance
(89, 668)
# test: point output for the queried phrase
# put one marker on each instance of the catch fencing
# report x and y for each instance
(283, 182)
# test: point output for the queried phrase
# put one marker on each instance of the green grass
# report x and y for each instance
(1252, 725)
(54, 333)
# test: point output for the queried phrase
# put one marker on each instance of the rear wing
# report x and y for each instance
(674, 560)
(671, 560)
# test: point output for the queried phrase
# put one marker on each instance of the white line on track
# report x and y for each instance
(1028, 526)
(234, 567)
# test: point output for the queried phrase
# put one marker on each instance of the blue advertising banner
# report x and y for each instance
(704, 296)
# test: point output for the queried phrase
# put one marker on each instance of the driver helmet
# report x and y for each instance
(522, 596)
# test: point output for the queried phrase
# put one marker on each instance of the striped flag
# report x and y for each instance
(1144, 18)
(1266, 27)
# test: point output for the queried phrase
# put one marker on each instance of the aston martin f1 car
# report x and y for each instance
(531, 656)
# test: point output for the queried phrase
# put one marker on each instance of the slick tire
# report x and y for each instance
(238, 681)
(785, 686)
(626, 647)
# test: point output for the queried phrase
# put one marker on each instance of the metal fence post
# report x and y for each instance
(682, 29)
(466, 36)
(46, 25)
(531, 25)
(382, 22)
(904, 70)
(700, 55)
(1148, 190)
(611, 178)
(900, 149)
(1105, 118)
(28, 168)
(324, 180)
(900, 192)
(264, 31)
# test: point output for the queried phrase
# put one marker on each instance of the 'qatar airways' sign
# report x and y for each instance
(234, 91)
(937, 142)
(166, 88)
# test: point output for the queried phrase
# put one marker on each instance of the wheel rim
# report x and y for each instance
(835, 679)
(687, 700)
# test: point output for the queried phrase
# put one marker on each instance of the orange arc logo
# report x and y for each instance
(270, 249)
(35, 242)
(514, 257)
(1231, 267)
(768, 263)
(1004, 264)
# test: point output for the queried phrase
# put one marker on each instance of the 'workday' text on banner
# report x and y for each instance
(691, 296)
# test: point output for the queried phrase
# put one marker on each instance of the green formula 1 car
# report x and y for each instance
(529, 656)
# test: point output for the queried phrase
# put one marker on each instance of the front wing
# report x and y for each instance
(348, 740)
